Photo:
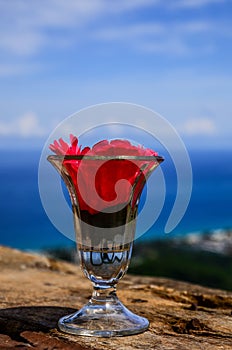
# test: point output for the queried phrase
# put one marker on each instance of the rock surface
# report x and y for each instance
(36, 291)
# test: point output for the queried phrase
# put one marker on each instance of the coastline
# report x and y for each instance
(202, 258)
(214, 241)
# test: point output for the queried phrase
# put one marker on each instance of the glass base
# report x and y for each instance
(103, 318)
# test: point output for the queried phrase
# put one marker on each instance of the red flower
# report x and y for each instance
(103, 183)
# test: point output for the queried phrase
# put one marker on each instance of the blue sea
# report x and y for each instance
(25, 225)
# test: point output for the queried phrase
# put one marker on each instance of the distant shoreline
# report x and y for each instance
(198, 258)
(215, 241)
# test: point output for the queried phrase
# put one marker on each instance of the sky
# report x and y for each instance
(58, 56)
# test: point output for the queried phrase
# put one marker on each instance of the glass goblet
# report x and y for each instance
(105, 232)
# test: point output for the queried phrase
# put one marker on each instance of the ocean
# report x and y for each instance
(25, 225)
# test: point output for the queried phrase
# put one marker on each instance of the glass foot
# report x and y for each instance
(103, 319)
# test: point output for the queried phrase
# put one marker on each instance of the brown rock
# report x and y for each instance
(36, 291)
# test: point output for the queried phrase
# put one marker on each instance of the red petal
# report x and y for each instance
(86, 150)
(100, 146)
(64, 145)
(107, 173)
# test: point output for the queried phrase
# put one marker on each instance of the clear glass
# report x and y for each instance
(104, 240)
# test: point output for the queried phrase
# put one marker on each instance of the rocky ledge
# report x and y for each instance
(36, 291)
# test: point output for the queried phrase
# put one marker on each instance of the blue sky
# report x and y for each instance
(59, 56)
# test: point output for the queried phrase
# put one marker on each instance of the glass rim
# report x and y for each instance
(159, 159)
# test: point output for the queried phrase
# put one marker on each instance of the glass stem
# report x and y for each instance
(103, 294)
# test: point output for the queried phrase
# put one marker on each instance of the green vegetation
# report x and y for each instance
(167, 259)
(61, 253)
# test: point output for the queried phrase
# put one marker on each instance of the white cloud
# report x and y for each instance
(47, 23)
(29, 28)
(157, 28)
(33, 21)
(173, 37)
(195, 3)
(198, 126)
(7, 69)
(26, 126)
(171, 46)
(12, 69)
(130, 31)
